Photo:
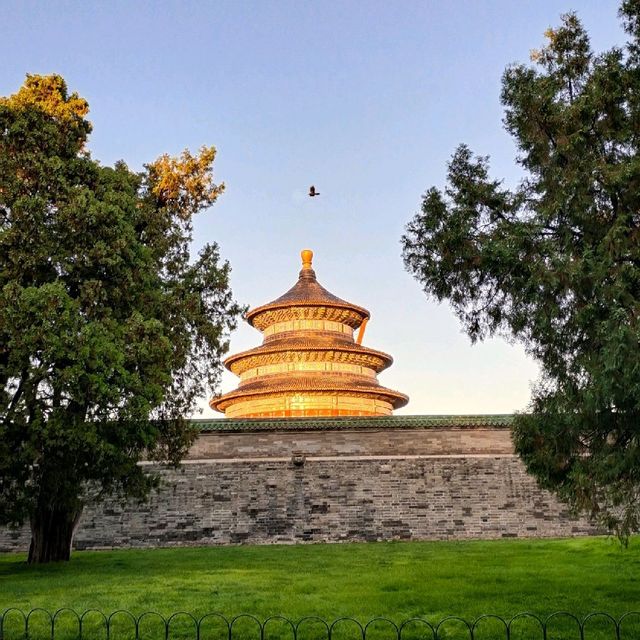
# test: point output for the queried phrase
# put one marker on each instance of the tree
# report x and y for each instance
(109, 332)
(555, 262)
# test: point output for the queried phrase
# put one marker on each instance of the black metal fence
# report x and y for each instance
(67, 624)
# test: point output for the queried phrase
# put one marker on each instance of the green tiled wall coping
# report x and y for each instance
(499, 421)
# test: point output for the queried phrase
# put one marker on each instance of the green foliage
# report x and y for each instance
(109, 332)
(555, 262)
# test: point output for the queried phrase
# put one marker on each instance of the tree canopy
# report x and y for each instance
(554, 262)
(109, 330)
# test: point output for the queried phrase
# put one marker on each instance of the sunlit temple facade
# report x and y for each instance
(309, 363)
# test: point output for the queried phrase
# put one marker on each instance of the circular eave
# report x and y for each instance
(396, 398)
(254, 314)
(307, 292)
(304, 346)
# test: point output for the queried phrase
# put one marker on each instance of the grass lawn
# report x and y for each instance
(396, 580)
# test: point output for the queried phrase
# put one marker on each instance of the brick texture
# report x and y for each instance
(430, 484)
(443, 440)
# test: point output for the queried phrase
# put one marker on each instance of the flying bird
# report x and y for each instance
(313, 192)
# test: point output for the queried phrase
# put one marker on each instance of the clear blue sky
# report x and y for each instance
(366, 100)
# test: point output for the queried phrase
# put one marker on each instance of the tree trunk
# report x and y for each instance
(52, 532)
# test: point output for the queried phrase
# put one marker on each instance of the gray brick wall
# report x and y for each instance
(331, 498)
(431, 441)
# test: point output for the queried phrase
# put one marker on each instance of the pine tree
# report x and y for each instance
(555, 262)
(109, 332)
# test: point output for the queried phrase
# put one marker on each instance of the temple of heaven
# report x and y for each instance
(309, 363)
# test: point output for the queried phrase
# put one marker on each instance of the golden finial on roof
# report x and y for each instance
(307, 257)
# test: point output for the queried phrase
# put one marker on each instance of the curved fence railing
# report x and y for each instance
(92, 624)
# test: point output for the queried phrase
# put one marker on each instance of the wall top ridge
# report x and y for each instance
(340, 423)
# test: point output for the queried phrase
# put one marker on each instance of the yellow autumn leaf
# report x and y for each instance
(186, 180)
(48, 93)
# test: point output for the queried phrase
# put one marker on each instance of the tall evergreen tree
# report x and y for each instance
(555, 262)
(109, 331)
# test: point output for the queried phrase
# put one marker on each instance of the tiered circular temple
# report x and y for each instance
(309, 363)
